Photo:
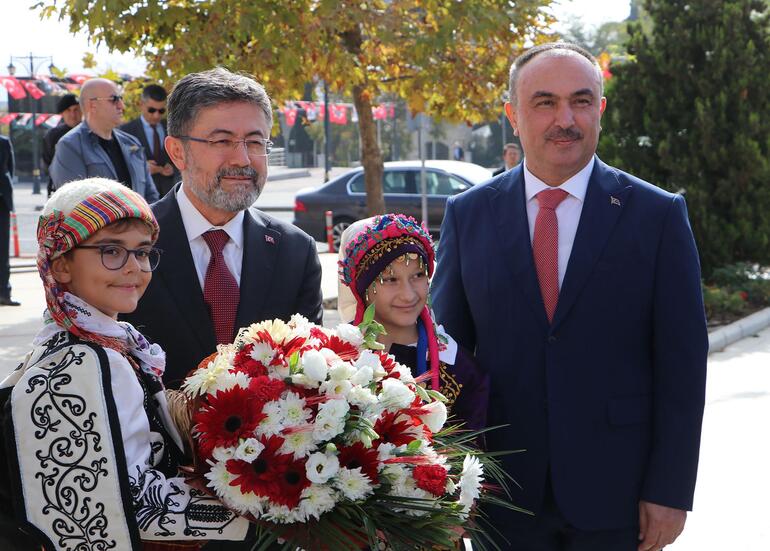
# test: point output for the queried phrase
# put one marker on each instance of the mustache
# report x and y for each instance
(246, 171)
(570, 133)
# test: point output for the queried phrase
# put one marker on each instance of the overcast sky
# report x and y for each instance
(24, 32)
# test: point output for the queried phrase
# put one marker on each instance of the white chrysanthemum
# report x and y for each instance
(363, 376)
(272, 424)
(353, 484)
(300, 326)
(341, 371)
(361, 397)
(202, 380)
(350, 333)
(229, 380)
(470, 481)
(395, 395)
(293, 410)
(335, 388)
(263, 352)
(249, 449)
(435, 417)
(298, 443)
(320, 467)
(330, 420)
(283, 515)
(404, 373)
(314, 365)
(317, 499)
(385, 451)
(410, 490)
(277, 329)
(219, 478)
(223, 454)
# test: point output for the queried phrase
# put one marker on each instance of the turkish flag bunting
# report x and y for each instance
(32, 88)
(52, 121)
(79, 78)
(338, 114)
(7, 118)
(40, 119)
(14, 88)
(291, 116)
(72, 87)
(380, 113)
(24, 119)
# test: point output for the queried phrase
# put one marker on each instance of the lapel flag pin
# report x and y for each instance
(270, 239)
(614, 201)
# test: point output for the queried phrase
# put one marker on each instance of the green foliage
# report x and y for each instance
(735, 290)
(688, 111)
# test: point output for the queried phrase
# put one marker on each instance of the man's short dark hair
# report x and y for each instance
(155, 92)
(65, 102)
(512, 145)
(197, 91)
(532, 53)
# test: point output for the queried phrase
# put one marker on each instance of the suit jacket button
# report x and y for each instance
(552, 339)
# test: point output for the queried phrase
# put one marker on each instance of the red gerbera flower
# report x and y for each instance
(228, 416)
(276, 476)
(356, 456)
(346, 351)
(390, 430)
(387, 362)
(244, 363)
(431, 478)
(266, 389)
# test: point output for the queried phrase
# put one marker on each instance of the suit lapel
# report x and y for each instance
(138, 131)
(177, 271)
(604, 203)
(260, 248)
(509, 211)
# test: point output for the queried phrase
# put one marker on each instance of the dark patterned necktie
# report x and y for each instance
(220, 290)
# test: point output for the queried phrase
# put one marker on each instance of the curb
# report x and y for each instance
(746, 327)
(295, 173)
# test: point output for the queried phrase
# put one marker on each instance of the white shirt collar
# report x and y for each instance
(576, 186)
(195, 224)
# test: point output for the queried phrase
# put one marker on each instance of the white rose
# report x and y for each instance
(395, 394)
(320, 467)
(435, 416)
(350, 333)
(361, 397)
(249, 450)
(363, 376)
(341, 371)
(314, 365)
(368, 358)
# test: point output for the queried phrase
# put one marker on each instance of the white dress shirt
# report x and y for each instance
(195, 225)
(567, 213)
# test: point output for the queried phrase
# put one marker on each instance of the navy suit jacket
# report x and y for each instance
(280, 276)
(162, 183)
(609, 397)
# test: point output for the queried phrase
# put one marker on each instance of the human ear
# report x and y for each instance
(60, 268)
(510, 112)
(175, 150)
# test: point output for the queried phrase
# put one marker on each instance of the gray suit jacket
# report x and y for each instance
(79, 155)
(162, 183)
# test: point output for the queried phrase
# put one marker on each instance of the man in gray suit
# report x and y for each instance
(6, 207)
(96, 147)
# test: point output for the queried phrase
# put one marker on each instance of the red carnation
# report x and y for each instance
(431, 478)
(228, 416)
(243, 362)
(356, 456)
(399, 433)
(266, 389)
(276, 476)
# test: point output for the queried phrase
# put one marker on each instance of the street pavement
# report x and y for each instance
(732, 511)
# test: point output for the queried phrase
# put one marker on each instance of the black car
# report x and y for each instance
(345, 196)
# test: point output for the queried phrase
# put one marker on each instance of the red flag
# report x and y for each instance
(72, 87)
(379, 113)
(79, 78)
(338, 114)
(32, 88)
(7, 118)
(291, 116)
(52, 121)
(24, 119)
(15, 89)
(40, 119)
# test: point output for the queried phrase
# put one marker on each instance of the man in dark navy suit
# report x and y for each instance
(578, 287)
(6, 208)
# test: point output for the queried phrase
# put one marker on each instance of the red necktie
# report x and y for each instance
(155, 143)
(545, 247)
(220, 290)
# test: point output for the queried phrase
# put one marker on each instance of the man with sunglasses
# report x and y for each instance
(150, 130)
(96, 147)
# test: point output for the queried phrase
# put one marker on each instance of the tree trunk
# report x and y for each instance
(371, 158)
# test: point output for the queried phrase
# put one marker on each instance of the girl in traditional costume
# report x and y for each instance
(92, 449)
(387, 261)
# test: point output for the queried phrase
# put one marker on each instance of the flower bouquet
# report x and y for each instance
(325, 442)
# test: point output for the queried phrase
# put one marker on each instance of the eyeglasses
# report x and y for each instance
(114, 257)
(114, 99)
(254, 147)
(153, 110)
